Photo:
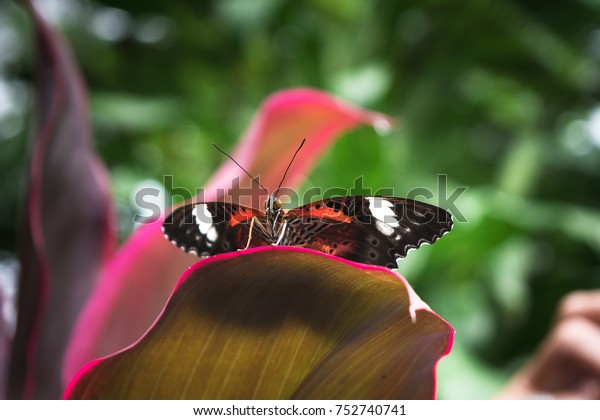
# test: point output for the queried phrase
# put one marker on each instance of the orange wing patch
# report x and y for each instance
(242, 215)
(324, 212)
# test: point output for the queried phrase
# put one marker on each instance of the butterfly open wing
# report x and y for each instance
(368, 229)
(213, 228)
(372, 230)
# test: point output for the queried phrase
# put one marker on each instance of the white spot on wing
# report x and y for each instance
(203, 218)
(212, 235)
(384, 228)
(383, 211)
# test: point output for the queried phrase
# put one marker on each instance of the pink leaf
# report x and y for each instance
(282, 121)
(137, 282)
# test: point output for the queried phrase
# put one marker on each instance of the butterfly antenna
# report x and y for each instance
(288, 167)
(254, 178)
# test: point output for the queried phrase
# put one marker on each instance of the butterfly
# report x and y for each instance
(367, 229)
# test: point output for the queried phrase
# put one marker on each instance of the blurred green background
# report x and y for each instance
(502, 96)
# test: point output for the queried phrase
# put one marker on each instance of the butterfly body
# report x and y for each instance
(368, 229)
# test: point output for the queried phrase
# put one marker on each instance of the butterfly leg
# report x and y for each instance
(283, 226)
(260, 225)
(249, 234)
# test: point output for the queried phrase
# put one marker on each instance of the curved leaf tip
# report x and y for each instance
(279, 322)
(281, 122)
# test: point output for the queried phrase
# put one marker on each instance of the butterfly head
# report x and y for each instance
(273, 205)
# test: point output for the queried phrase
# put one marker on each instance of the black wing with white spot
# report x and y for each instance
(372, 230)
(213, 228)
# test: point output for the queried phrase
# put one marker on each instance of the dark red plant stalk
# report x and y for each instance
(66, 227)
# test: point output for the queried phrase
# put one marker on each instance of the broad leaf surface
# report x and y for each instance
(278, 323)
